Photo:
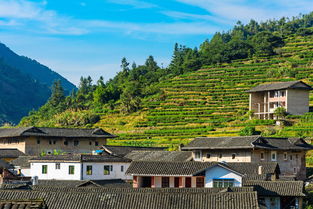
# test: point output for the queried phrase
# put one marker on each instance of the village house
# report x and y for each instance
(79, 167)
(289, 153)
(292, 95)
(194, 174)
(262, 177)
(35, 140)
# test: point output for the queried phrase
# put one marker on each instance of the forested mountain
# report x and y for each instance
(201, 93)
(19, 94)
(24, 85)
(32, 68)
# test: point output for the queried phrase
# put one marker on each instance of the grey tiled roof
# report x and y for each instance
(104, 157)
(281, 86)
(4, 164)
(10, 153)
(191, 168)
(221, 142)
(175, 156)
(151, 168)
(54, 132)
(277, 188)
(22, 161)
(47, 185)
(253, 168)
(136, 200)
(248, 142)
(124, 150)
(21, 204)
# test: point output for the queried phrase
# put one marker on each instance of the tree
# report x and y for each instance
(280, 113)
(265, 42)
(57, 96)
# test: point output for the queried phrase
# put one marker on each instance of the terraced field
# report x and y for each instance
(212, 101)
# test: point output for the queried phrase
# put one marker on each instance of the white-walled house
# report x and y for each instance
(80, 167)
(183, 174)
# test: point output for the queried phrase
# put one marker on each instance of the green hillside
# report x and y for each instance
(212, 101)
(148, 105)
(208, 102)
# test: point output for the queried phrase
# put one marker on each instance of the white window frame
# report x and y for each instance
(274, 159)
(200, 155)
(285, 156)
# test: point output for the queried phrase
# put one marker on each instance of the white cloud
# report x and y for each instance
(23, 12)
(245, 10)
(134, 3)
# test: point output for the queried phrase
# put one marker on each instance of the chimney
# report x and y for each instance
(35, 180)
(260, 170)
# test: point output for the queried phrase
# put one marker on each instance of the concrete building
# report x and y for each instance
(292, 95)
(289, 153)
(79, 167)
(35, 140)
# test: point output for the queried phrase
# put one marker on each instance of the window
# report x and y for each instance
(198, 155)
(96, 143)
(71, 169)
(90, 143)
(233, 156)
(57, 166)
(44, 169)
(165, 182)
(122, 168)
(54, 142)
(290, 157)
(38, 141)
(111, 167)
(106, 170)
(285, 156)
(208, 155)
(89, 170)
(297, 156)
(218, 183)
(273, 156)
(76, 143)
(65, 142)
(220, 156)
(295, 170)
(200, 182)
(262, 156)
(50, 142)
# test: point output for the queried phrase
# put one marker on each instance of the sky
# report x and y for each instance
(90, 37)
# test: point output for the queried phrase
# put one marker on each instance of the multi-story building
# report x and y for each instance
(292, 95)
(35, 140)
(289, 153)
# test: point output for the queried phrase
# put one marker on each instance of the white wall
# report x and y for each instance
(98, 171)
(218, 172)
(58, 174)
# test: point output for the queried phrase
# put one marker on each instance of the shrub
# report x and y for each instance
(248, 131)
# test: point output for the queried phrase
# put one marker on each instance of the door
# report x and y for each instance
(146, 181)
(176, 182)
(188, 182)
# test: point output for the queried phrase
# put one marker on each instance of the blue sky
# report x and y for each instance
(89, 37)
